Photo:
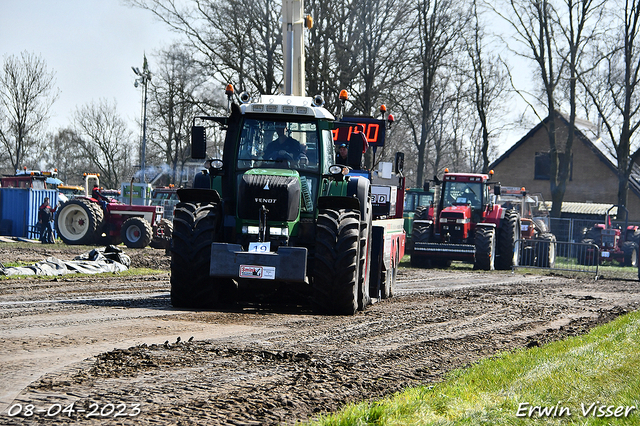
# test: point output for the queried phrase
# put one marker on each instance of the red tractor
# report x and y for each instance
(465, 224)
(616, 244)
(96, 219)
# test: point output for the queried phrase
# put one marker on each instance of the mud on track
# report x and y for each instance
(92, 342)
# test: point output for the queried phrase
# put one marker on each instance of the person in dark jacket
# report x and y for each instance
(101, 199)
(45, 217)
(341, 155)
(284, 147)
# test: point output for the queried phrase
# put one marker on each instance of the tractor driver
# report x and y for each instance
(95, 193)
(283, 148)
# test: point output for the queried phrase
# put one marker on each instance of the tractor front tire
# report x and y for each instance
(77, 222)
(335, 278)
(630, 250)
(195, 227)
(507, 237)
(136, 232)
(485, 249)
(546, 251)
(420, 232)
(162, 235)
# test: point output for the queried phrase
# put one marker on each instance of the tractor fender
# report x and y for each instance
(198, 195)
(338, 202)
(495, 215)
(360, 188)
(486, 225)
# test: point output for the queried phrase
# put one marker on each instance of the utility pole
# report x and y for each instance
(143, 78)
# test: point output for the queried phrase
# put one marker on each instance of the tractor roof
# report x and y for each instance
(289, 105)
(465, 177)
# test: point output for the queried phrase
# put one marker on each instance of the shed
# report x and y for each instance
(19, 209)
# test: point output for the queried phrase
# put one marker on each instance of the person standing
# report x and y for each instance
(45, 216)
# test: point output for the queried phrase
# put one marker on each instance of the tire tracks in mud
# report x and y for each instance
(116, 340)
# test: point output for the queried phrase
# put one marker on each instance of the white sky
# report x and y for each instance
(91, 46)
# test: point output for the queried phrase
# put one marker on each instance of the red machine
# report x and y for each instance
(465, 224)
(616, 244)
(96, 219)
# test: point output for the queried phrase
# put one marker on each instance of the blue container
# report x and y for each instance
(20, 206)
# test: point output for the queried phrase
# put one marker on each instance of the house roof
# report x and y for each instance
(599, 209)
(597, 142)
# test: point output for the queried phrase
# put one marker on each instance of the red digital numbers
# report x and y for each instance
(373, 131)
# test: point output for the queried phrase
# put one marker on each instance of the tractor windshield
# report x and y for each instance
(413, 200)
(459, 193)
(281, 144)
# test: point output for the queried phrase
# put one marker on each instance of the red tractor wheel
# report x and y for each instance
(136, 232)
(77, 222)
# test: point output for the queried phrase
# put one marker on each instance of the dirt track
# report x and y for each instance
(114, 346)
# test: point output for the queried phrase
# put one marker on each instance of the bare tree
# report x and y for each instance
(536, 23)
(613, 88)
(174, 92)
(61, 152)
(106, 141)
(239, 40)
(439, 23)
(532, 21)
(26, 94)
(489, 79)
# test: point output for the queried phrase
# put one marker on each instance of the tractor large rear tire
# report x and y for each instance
(422, 213)
(77, 222)
(508, 235)
(335, 278)
(485, 249)
(195, 227)
(136, 232)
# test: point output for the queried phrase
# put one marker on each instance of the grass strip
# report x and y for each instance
(586, 380)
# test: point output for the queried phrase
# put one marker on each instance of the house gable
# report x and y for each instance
(593, 176)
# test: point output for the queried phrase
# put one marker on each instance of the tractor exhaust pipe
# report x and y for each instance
(131, 192)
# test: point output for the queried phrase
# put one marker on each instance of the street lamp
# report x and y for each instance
(143, 78)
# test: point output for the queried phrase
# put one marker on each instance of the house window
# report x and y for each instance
(543, 166)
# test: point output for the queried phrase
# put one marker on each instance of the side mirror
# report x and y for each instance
(425, 186)
(496, 189)
(198, 142)
(399, 162)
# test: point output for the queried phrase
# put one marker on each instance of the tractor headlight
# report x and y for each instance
(279, 231)
(254, 230)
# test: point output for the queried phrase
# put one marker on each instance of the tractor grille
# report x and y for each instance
(279, 194)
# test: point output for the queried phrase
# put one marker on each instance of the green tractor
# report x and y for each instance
(417, 203)
(275, 220)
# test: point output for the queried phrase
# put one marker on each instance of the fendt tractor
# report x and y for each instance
(275, 216)
(466, 224)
